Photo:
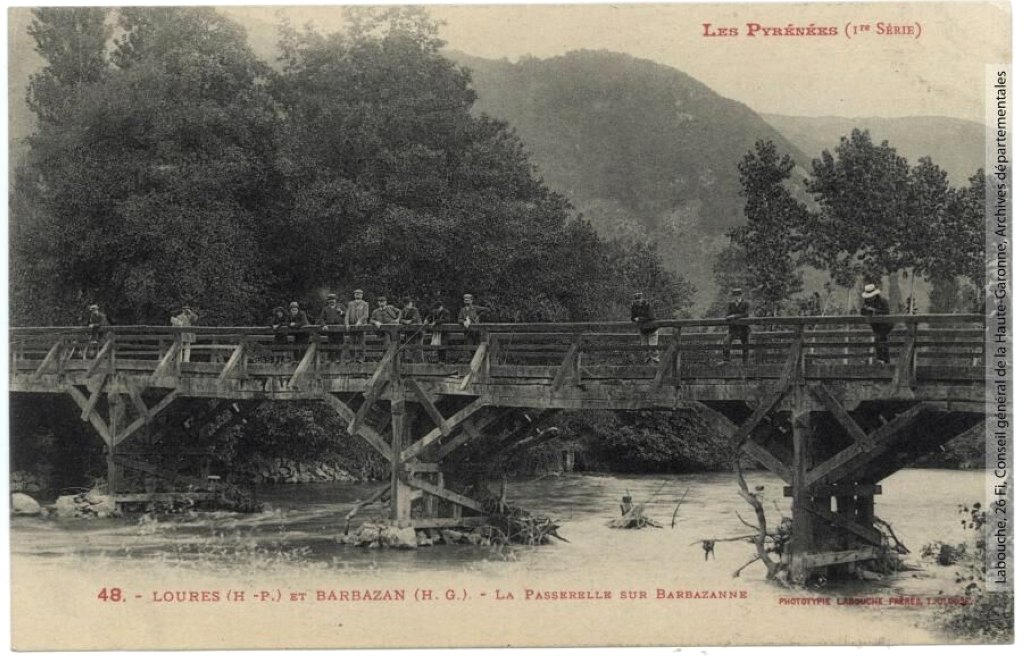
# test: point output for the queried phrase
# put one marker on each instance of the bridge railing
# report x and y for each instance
(697, 346)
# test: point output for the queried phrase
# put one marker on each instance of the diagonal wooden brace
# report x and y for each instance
(131, 428)
(105, 352)
(372, 437)
(306, 365)
(376, 385)
(92, 416)
(168, 363)
(837, 410)
(569, 368)
(431, 409)
(52, 356)
(445, 494)
(477, 365)
(456, 419)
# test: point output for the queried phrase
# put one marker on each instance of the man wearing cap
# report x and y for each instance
(297, 322)
(469, 315)
(642, 315)
(330, 322)
(874, 305)
(187, 317)
(737, 309)
(357, 314)
(385, 314)
(96, 321)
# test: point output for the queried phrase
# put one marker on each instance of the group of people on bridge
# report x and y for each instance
(292, 326)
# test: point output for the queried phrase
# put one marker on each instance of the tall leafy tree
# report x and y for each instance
(769, 238)
(862, 226)
(73, 41)
(148, 192)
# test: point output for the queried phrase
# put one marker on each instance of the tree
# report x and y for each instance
(769, 238)
(863, 225)
(392, 183)
(73, 42)
(163, 209)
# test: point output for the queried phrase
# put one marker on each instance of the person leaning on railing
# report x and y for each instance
(642, 315)
(875, 305)
(97, 322)
(737, 309)
(187, 317)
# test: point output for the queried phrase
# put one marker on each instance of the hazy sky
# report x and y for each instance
(938, 72)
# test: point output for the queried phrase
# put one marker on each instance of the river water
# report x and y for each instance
(294, 545)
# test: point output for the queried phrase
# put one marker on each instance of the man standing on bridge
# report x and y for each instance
(97, 323)
(331, 319)
(469, 315)
(641, 314)
(357, 314)
(737, 309)
(876, 306)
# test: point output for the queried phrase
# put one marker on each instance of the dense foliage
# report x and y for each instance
(188, 170)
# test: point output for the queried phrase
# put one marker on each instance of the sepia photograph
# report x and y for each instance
(429, 326)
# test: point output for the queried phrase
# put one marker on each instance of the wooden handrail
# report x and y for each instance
(502, 328)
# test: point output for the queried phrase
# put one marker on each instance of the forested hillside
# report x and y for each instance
(637, 146)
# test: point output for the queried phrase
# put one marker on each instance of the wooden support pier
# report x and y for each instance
(811, 405)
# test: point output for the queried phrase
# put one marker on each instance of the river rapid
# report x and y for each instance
(605, 586)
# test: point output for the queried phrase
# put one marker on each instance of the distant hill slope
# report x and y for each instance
(634, 144)
(956, 145)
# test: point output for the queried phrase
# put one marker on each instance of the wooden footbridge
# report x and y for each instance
(809, 405)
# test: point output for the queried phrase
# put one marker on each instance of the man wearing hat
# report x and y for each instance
(874, 305)
(737, 309)
(97, 321)
(357, 313)
(331, 320)
(469, 315)
(385, 314)
(187, 317)
(641, 314)
(297, 322)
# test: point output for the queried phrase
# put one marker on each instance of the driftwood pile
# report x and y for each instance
(508, 524)
(633, 517)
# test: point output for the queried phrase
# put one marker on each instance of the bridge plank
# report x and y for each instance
(445, 494)
(92, 416)
(476, 365)
(836, 467)
(837, 410)
(872, 536)
(372, 437)
(569, 364)
(431, 409)
(376, 385)
(108, 347)
(167, 362)
(307, 363)
(456, 420)
(131, 428)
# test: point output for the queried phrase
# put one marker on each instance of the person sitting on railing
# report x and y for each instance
(96, 321)
(437, 316)
(187, 317)
(297, 321)
(642, 315)
(331, 319)
(469, 315)
(279, 323)
(385, 314)
(737, 309)
(876, 306)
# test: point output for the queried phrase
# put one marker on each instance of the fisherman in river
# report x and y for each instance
(737, 309)
(642, 315)
(874, 306)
